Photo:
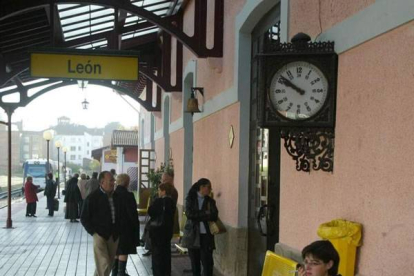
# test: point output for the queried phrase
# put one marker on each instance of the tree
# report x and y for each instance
(75, 167)
(94, 165)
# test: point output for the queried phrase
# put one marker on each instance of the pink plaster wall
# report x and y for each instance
(176, 106)
(147, 124)
(177, 148)
(215, 74)
(372, 181)
(315, 16)
(215, 160)
(158, 120)
(159, 150)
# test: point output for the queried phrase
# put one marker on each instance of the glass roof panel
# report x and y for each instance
(83, 20)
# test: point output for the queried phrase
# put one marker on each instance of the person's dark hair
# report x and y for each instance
(113, 172)
(95, 175)
(166, 187)
(50, 176)
(196, 186)
(102, 176)
(324, 251)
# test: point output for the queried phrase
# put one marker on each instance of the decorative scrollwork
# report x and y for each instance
(310, 147)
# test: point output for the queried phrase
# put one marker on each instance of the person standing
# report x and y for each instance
(30, 192)
(168, 177)
(72, 199)
(100, 218)
(162, 210)
(129, 225)
(92, 184)
(200, 208)
(50, 193)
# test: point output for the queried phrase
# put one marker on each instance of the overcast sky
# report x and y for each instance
(105, 106)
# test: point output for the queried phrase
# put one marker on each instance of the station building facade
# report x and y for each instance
(372, 178)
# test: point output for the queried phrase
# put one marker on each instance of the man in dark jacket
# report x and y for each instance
(50, 193)
(100, 218)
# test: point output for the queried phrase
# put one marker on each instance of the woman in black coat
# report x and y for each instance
(162, 210)
(200, 208)
(129, 224)
(72, 199)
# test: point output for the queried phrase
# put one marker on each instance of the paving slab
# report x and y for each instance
(46, 246)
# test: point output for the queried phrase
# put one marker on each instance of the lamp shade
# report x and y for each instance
(47, 135)
(58, 144)
(65, 149)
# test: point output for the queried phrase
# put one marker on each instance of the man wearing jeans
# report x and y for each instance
(100, 218)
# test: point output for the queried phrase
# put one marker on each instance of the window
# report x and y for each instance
(73, 157)
(73, 139)
(79, 148)
(26, 156)
(87, 144)
(72, 148)
(87, 152)
(79, 156)
(79, 139)
(27, 139)
(26, 148)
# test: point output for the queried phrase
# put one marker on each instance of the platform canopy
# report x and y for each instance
(147, 27)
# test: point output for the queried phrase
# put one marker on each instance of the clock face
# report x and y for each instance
(298, 90)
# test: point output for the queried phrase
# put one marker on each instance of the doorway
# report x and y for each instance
(264, 176)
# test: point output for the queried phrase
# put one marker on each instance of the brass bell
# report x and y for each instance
(192, 106)
(192, 103)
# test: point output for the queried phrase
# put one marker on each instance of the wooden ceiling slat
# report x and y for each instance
(22, 34)
(12, 22)
(11, 39)
(25, 41)
(26, 47)
(22, 28)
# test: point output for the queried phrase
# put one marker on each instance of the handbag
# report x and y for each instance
(158, 222)
(216, 227)
(56, 204)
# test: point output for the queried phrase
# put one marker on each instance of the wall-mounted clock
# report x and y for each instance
(298, 85)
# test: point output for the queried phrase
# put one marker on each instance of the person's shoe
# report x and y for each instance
(34, 216)
(27, 215)
(146, 254)
(75, 220)
(122, 268)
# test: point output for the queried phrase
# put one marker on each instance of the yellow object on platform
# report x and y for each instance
(276, 265)
(345, 236)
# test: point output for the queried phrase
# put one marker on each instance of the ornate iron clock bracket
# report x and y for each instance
(310, 148)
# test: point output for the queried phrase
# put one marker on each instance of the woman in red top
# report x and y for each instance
(30, 191)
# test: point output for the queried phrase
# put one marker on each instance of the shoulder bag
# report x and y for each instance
(216, 227)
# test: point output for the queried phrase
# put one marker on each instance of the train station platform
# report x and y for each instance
(54, 246)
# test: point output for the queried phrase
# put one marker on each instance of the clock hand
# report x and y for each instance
(288, 83)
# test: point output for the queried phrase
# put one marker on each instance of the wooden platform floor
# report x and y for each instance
(54, 246)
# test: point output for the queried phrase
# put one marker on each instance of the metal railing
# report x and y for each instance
(14, 193)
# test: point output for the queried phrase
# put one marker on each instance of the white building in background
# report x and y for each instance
(79, 146)
(79, 140)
